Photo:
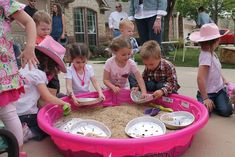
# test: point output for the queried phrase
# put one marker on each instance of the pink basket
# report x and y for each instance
(172, 144)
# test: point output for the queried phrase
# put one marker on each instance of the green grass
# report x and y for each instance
(190, 60)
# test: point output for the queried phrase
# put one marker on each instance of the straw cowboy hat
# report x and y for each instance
(54, 50)
(207, 32)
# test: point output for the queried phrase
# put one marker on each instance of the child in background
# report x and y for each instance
(11, 83)
(120, 66)
(80, 74)
(127, 30)
(43, 26)
(159, 74)
(50, 55)
(211, 83)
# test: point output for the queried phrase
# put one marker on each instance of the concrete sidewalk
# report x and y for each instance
(216, 139)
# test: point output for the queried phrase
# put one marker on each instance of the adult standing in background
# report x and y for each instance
(30, 9)
(114, 19)
(203, 17)
(58, 23)
(149, 18)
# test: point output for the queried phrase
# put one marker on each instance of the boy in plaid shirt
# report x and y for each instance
(159, 74)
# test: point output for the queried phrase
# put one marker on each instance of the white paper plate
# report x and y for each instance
(144, 127)
(136, 97)
(67, 124)
(91, 128)
(88, 101)
(178, 119)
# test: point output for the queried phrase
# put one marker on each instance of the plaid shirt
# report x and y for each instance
(134, 45)
(165, 73)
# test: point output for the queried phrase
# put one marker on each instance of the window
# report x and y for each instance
(85, 26)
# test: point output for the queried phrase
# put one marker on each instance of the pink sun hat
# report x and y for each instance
(54, 50)
(208, 32)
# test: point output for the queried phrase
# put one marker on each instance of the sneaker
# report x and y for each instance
(27, 133)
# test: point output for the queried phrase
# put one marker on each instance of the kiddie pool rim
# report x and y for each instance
(190, 130)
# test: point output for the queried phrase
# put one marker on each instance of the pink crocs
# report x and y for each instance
(23, 154)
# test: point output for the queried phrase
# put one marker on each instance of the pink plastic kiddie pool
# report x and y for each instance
(172, 144)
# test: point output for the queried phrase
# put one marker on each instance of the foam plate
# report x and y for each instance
(66, 125)
(178, 119)
(91, 128)
(136, 97)
(144, 127)
(88, 101)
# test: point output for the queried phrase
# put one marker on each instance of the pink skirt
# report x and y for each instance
(10, 96)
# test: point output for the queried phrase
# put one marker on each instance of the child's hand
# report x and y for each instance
(158, 93)
(209, 104)
(66, 109)
(116, 89)
(101, 95)
(144, 95)
(75, 100)
(135, 89)
(28, 56)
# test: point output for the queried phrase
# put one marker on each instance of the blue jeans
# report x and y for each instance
(152, 86)
(145, 29)
(132, 80)
(31, 120)
(56, 38)
(221, 100)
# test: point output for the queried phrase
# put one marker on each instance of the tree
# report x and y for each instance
(188, 8)
(170, 8)
(216, 8)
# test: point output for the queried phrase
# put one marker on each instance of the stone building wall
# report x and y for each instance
(91, 4)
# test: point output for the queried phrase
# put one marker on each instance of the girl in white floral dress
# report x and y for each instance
(11, 84)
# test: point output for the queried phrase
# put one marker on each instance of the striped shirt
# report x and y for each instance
(134, 46)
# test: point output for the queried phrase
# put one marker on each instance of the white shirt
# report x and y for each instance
(214, 81)
(115, 18)
(142, 14)
(27, 103)
(76, 82)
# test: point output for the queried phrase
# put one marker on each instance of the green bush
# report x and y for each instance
(99, 52)
(190, 60)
